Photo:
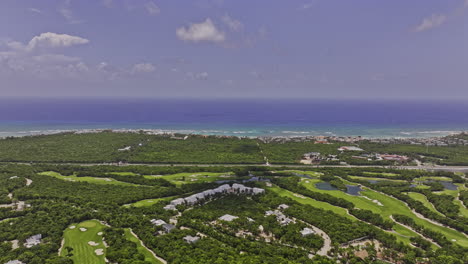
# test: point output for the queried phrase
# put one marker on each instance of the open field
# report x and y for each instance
(390, 206)
(433, 178)
(148, 256)
(380, 173)
(401, 233)
(310, 201)
(94, 180)
(83, 253)
(198, 177)
(149, 202)
(423, 199)
(374, 179)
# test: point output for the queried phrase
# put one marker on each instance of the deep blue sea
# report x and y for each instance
(240, 117)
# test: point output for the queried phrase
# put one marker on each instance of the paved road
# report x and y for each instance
(430, 168)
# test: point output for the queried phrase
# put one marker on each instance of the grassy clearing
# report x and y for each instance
(453, 193)
(433, 178)
(381, 173)
(189, 177)
(148, 256)
(308, 173)
(423, 199)
(83, 253)
(306, 200)
(401, 233)
(390, 206)
(374, 179)
(86, 179)
(148, 202)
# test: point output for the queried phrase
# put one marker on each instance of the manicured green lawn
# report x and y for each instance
(83, 253)
(86, 179)
(390, 206)
(148, 202)
(189, 177)
(380, 173)
(433, 178)
(374, 178)
(148, 256)
(423, 199)
(306, 200)
(309, 173)
(402, 234)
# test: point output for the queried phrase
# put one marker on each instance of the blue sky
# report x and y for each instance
(238, 48)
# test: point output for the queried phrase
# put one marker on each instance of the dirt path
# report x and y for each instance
(62, 244)
(143, 245)
(326, 241)
(460, 201)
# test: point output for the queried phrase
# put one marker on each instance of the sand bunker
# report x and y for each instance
(72, 227)
(377, 202)
(93, 244)
(99, 252)
(99, 234)
(82, 229)
(298, 195)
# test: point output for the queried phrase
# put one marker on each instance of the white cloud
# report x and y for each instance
(67, 13)
(143, 68)
(107, 3)
(54, 40)
(233, 24)
(198, 32)
(55, 58)
(428, 23)
(198, 76)
(35, 10)
(152, 8)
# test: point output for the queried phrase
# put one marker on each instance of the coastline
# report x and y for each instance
(265, 135)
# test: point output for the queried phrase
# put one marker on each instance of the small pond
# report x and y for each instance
(302, 175)
(326, 186)
(447, 185)
(351, 189)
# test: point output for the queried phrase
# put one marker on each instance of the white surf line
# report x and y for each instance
(143, 245)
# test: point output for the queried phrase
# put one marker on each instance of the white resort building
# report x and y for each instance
(221, 190)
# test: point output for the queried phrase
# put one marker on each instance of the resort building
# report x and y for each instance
(207, 194)
(33, 241)
(191, 239)
(349, 148)
(307, 231)
(14, 262)
(228, 217)
(158, 222)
